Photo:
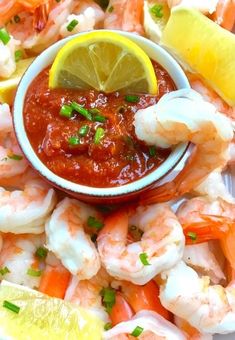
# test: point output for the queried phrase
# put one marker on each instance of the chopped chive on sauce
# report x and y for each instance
(144, 259)
(99, 134)
(108, 298)
(94, 111)
(11, 306)
(80, 109)
(99, 118)
(16, 19)
(94, 223)
(83, 131)
(72, 25)
(107, 326)
(15, 157)
(4, 271)
(152, 151)
(110, 9)
(192, 235)
(18, 55)
(4, 36)
(74, 140)
(41, 253)
(33, 272)
(137, 331)
(132, 99)
(156, 10)
(66, 111)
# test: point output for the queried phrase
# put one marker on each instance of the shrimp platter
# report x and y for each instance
(117, 178)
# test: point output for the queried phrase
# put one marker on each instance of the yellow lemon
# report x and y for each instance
(28, 314)
(205, 47)
(105, 61)
(8, 86)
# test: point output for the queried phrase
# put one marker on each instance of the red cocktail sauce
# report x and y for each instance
(118, 158)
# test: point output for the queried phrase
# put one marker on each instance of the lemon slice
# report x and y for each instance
(105, 61)
(156, 15)
(205, 47)
(8, 86)
(42, 317)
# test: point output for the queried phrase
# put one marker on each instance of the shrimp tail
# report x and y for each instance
(41, 14)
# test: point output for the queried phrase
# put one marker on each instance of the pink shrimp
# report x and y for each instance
(125, 15)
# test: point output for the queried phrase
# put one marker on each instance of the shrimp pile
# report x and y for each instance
(147, 269)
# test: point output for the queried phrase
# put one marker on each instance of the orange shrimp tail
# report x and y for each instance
(225, 14)
(41, 14)
(54, 282)
(121, 311)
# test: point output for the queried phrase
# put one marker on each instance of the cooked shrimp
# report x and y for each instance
(12, 162)
(125, 15)
(200, 257)
(193, 333)
(207, 220)
(153, 326)
(7, 57)
(25, 211)
(161, 245)
(18, 258)
(55, 278)
(86, 293)
(183, 116)
(67, 238)
(210, 309)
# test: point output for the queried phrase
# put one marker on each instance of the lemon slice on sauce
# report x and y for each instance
(105, 61)
(203, 47)
(8, 86)
(28, 314)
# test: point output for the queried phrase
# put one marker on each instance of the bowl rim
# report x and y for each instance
(43, 60)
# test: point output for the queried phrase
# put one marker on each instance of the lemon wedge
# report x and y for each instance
(42, 317)
(205, 47)
(8, 86)
(105, 61)
(156, 15)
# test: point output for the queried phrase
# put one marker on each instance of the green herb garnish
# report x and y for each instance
(132, 99)
(152, 151)
(80, 109)
(137, 331)
(18, 55)
(156, 10)
(192, 235)
(94, 222)
(66, 111)
(144, 259)
(108, 298)
(15, 157)
(41, 253)
(33, 272)
(11, 306)
(107, 326)
(4, 271)
(99, 134)
(83, 131)
(4, 36)
(72, 25)
(74, 140)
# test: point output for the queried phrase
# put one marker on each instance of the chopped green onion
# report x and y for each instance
(80, 109)
(72, 25)
(94, 223)
(33, 272)
(132, 99)
(74, 140)
(152, 151)
(156, 10)
(16, 19)
(107, 326)
(18, 55)
(66, 111)
(144, 259)
(4, 36)
(99, 118)
(137, 331)
(4, 271)
(41, 252)
(192, 235)
(83, 131)
(99, 134)
(109, 298)
(15, 157)
(11, 306)
(110, 9)
(94, 111)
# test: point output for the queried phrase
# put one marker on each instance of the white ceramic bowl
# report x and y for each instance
(96, 195)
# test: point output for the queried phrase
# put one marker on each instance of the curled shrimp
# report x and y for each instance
(18, 258)
(125, 15)
(183, 116)
(209, 308)
(86, 293)
(12, 161)
(153, 326)
(69, 241)
(25, 211)
(7, 57)
(161, 244)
